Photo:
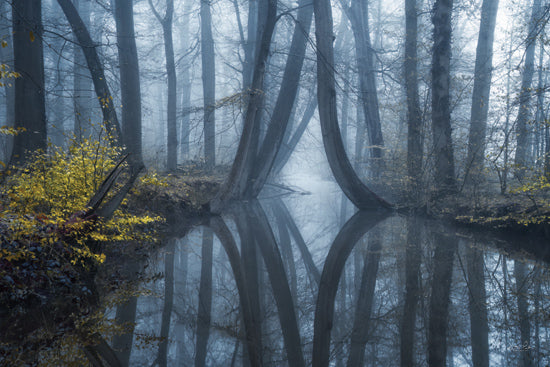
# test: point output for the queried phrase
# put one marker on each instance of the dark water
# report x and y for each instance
(303, 282)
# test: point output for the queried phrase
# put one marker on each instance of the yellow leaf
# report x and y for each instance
(31, 36)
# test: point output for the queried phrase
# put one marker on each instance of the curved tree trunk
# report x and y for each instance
(359, 194)
(234, 186)
(339, 251)
(285, 100)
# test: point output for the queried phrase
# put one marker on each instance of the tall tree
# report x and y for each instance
(482, 88)
(30, 105)
(522, 131)
(358, 14)
(414, 113)
(441, 109)
(129, 81)
(208, 84)
(171, 133)
(6, 58)
(185, 82)
(359, 194)
(81, 79)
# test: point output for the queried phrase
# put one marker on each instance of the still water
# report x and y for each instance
(304, 281)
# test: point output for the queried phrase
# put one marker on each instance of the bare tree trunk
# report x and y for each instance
(482, 89)
(522, 287)
(359, 194)
(339, 251)
(443, 257)
(81, 81)
(236, 182)
(412, 292)
(362, 324)
(30, 104)
(6, 57)
(283, 106)
(358, 14)
(129, 80)
(253, 342)
(205, 298)
(441, 110)
(208, 84)
(110, 120)
(169, 257)
(479, 324)
(185, 82)
(415, 144)
(172, 131)
(522, 130)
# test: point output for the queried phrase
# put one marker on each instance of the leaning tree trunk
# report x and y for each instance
(441, 109)
(522, 130)
(110, 120)
(482, 89)
(359, 194)
(234, 186)
(30, 104)
(283, 106)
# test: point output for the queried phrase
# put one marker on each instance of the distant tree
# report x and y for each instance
(414, 113)
(129, 80)
(172, 134)
(524, 99)
(445, 179)
(208, 84)
(30, 104)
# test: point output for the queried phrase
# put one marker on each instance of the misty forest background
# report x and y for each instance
(432, 98)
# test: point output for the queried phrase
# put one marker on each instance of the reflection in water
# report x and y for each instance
(255, 289)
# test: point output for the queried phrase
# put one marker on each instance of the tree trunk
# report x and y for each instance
(359, 194)
(522, 287)
(414, 114)
(129, 80)
(169, 257)
(413, 259)
(522, 130)
(205, 298)
(443, 257)
(358, 14)
(482, 89)
(251, 323)
(208, 84)
(30, 105)
(445, 180)
(81, 81)
(6, 57)
(283, 106)
(479, 324)
(110, 120)
(362, 324)
(185, 83)
(234, 186)
(171, 131)
(339, 251)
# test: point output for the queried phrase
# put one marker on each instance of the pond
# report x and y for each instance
(303, 281)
